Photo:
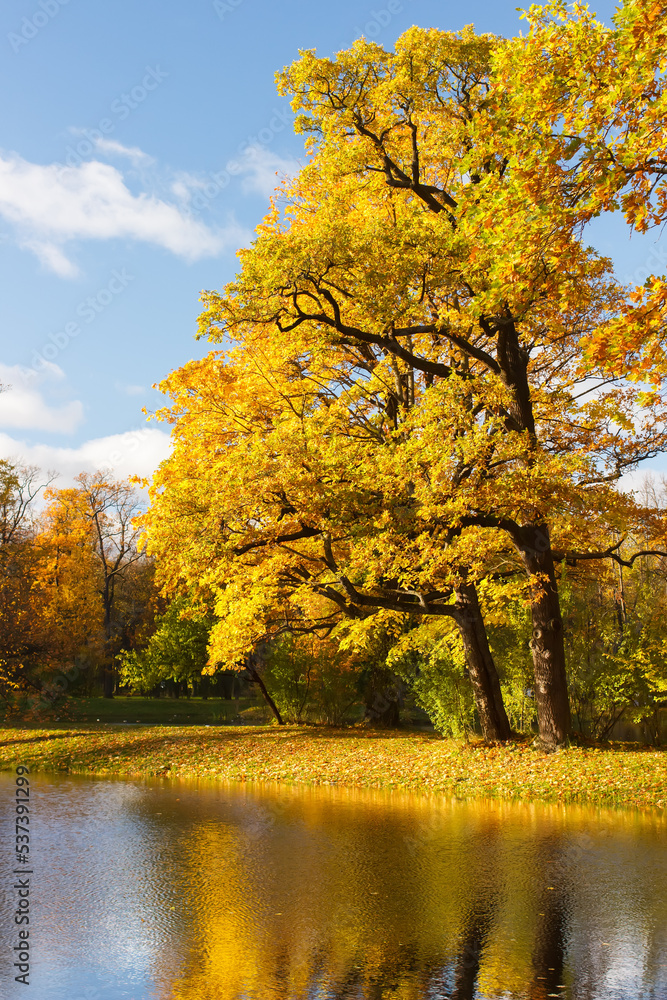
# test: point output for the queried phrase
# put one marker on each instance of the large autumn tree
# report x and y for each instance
(295, 498)
(407, 415)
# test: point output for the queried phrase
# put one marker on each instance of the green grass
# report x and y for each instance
(161, 711)
(249, 710)
(613, 775)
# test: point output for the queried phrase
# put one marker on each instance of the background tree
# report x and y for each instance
(101, 511)
(177, 649)
(69, 584)
(24, 637)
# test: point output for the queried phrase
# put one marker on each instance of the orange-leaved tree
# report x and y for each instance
(303, 497)
(90, 528)
(591, 108)
(25, 648)
(406, 413)
(69, 580)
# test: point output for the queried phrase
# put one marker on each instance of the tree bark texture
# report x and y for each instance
(547, 642)
(481, 666)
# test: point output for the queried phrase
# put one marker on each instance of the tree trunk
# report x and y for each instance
(384, 712)
(481, 668)
(108, 679)
(267, 697)
(383, 697)
(547, 643)
(108, 668)
(534, 544)
(227, 683)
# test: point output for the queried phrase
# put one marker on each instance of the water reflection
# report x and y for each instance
(205, 892)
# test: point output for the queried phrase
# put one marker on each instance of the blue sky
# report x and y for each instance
(166, 111)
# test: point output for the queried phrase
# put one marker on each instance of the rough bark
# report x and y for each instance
(534, 543)
(481, 667)
(547, 643)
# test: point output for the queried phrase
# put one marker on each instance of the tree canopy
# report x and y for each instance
(412, 409)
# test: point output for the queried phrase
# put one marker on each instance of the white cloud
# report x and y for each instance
(182, 188)
(52, 257)
(22, 404)
(186, 183)
(133, 453)
(265, 170)
(111, 147)
(53, 204)
(260, 171)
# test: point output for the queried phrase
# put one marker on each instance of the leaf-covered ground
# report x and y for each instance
(617, 775)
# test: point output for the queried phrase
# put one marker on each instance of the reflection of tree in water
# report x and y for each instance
(477, 927)
(551, 921)
(408, 973)
(381, 917)
(418, 972)
(306, 900)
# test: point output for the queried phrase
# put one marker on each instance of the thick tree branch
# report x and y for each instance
(293, 536)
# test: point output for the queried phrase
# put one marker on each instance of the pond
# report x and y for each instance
(200, 891)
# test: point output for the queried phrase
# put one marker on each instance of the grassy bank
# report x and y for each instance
(162, 711)
(618, 775)
(250, 710)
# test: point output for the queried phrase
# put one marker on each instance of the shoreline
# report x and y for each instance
(618, 776)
